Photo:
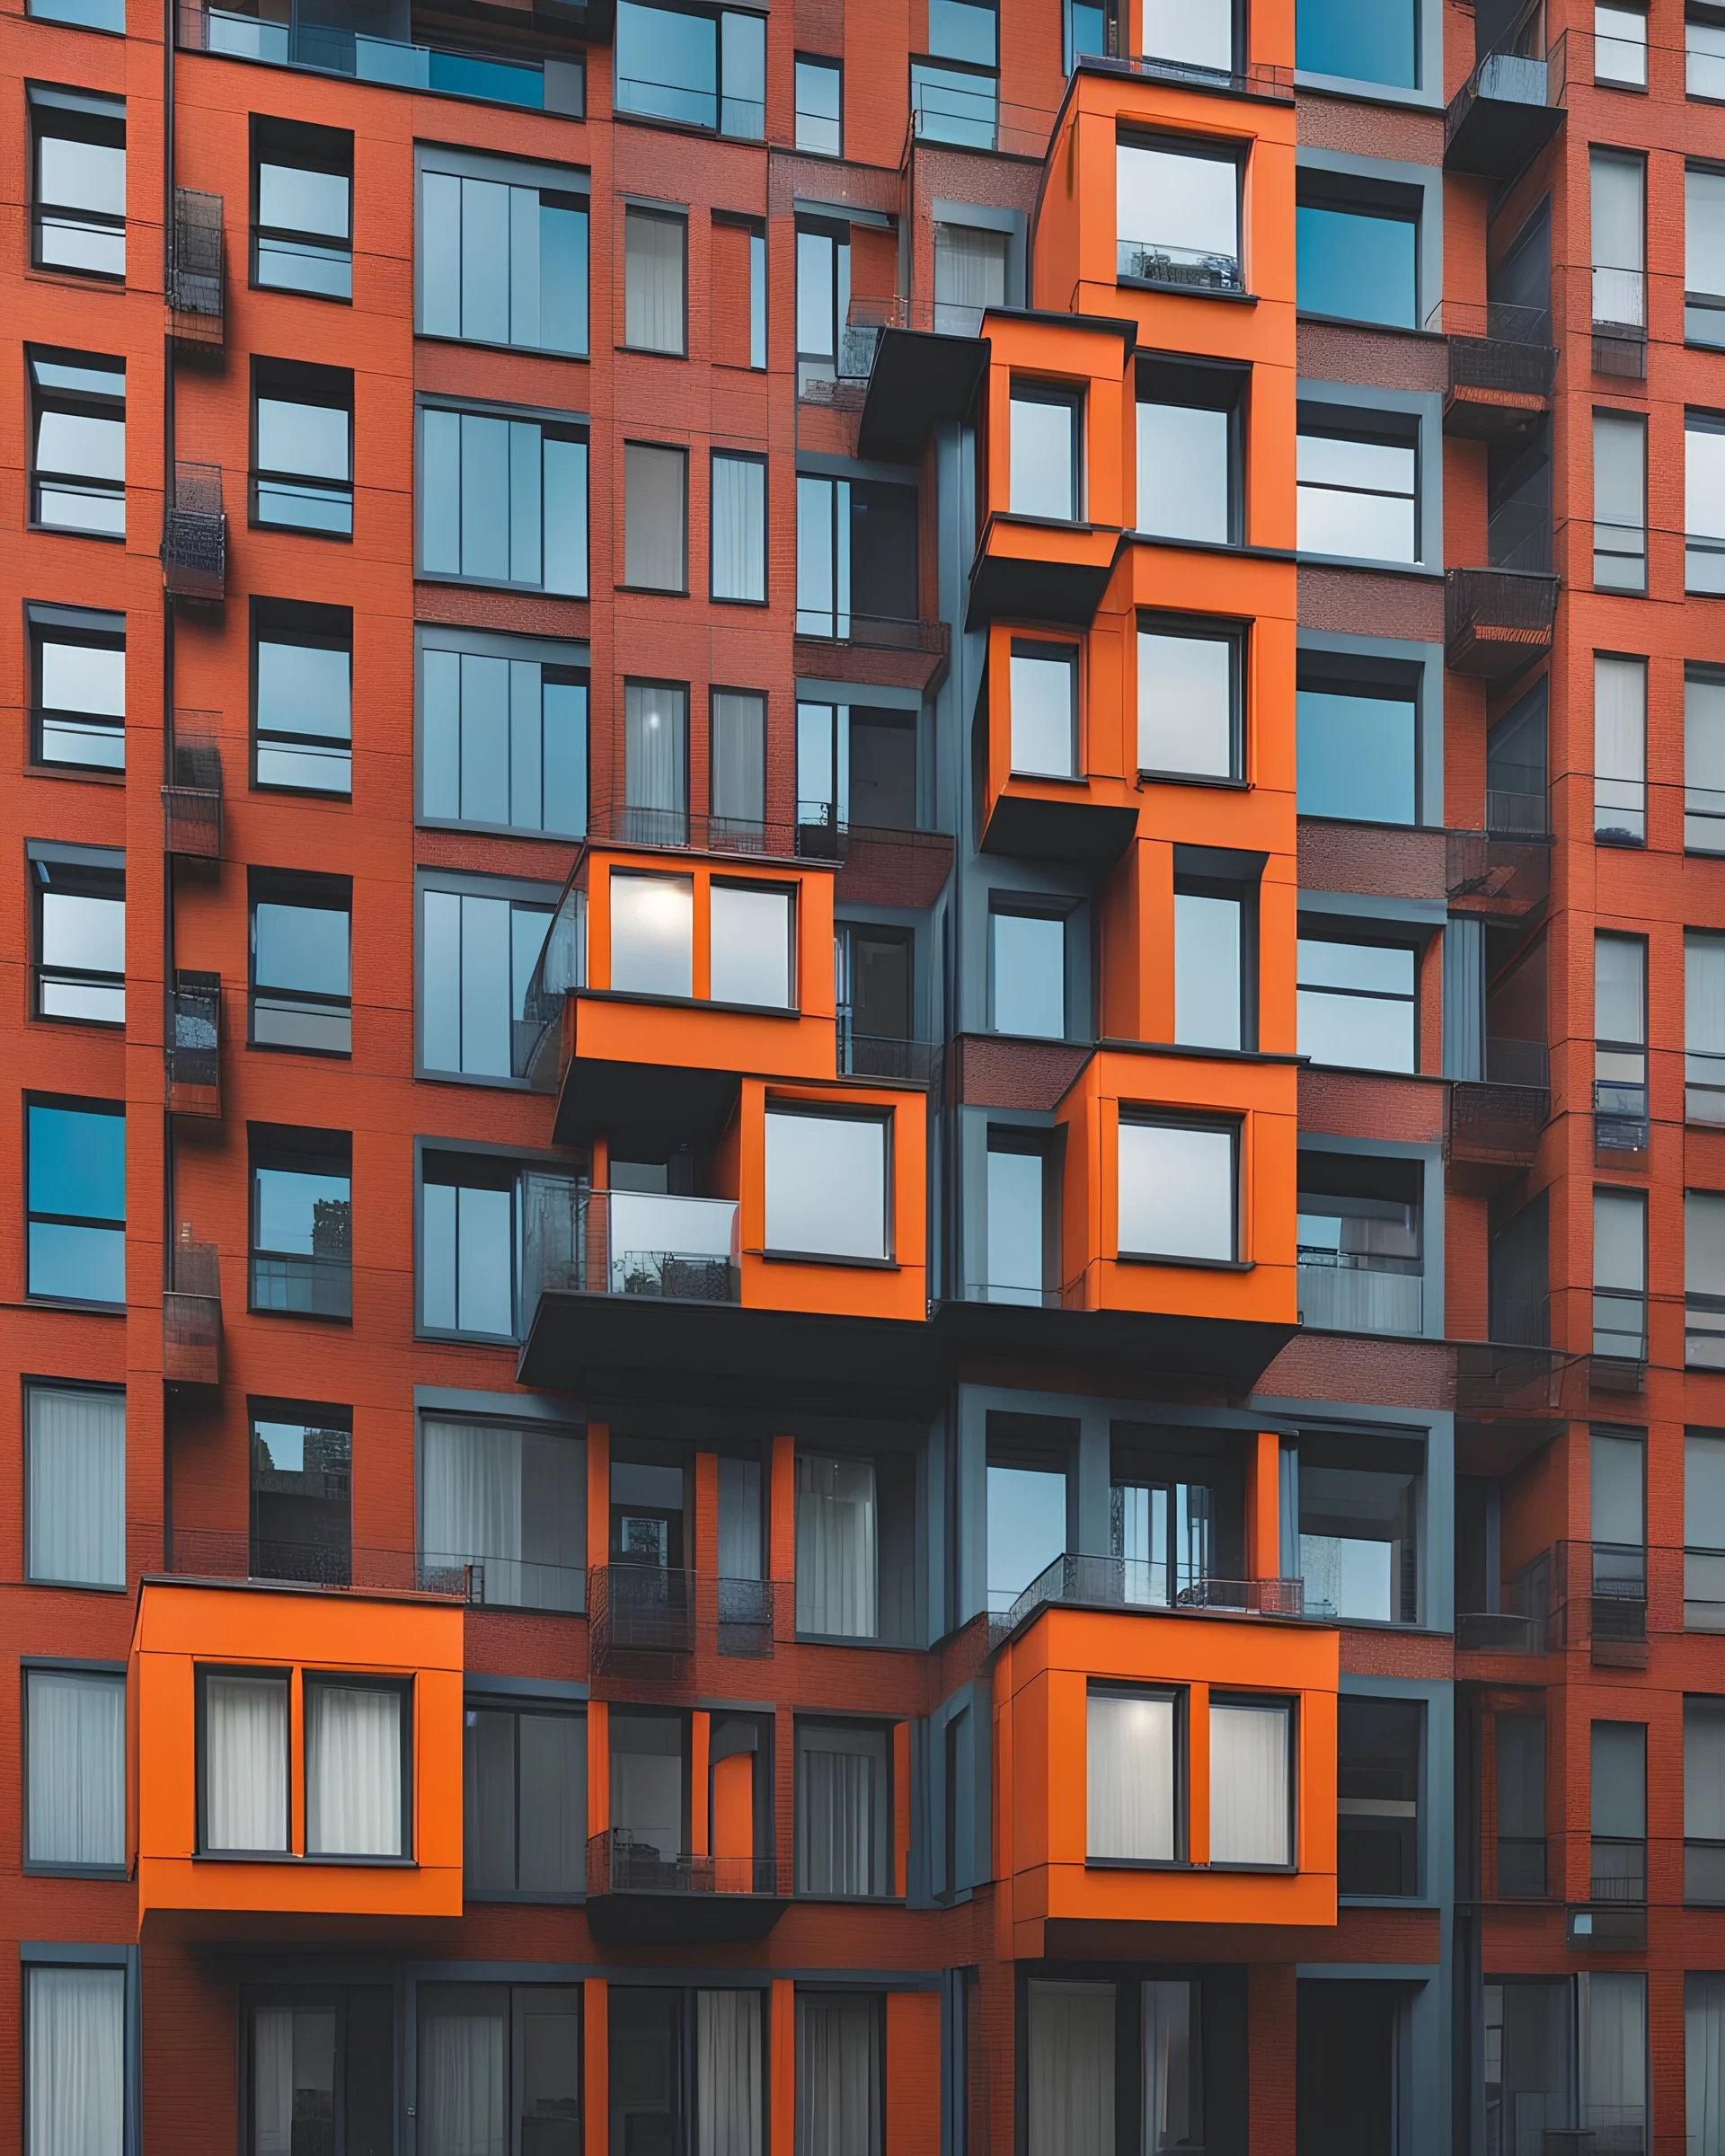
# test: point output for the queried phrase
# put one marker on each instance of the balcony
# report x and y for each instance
(1497, 622)
(898, 1062)
(196, 261)
(192, 1315)
(194, 537)
(1341, 1292)
(638, 1895)
(1599, 1601)
(1137, 1583)
(628, 1242)
(1505, 113)
(193, 1046)
(547, 85)
(1500, 1632)
(1502, 369)
(645, 1621)
(1494, 1123)
(191, 801)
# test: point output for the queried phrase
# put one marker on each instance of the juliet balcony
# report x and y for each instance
(1502, 364)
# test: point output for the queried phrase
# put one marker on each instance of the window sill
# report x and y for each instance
(648, 352)
(1075, 525)
(852, 1901)
(654, 591)
(719, 599)
(492, 1079)
(74, 1303)
(861, 1265)
(1193, 778)
(487, 344)
(878, 1646)
(77, 280)
(91, 774)
(289, 1856)
(343, 799)
(33, 1869)
(679, 127)
(278, 1048)
(1175, 1048)
(1078, 779)
(300, 531)
(314, 1317)
(1357, 91)
(467, 1339)
(1367, 1070)
(451, 577)
(515, 1897)
(1207, 1265)
(1154, 284)
(77, 1586)
(83, 1025)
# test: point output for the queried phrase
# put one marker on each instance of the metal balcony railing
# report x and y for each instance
(192, 1315)
(191, 801)
(216, 1553)
(1618, 1869)
(1506, 874)
(194, 535)
(648, 1618)
(1620, 1115)
(193, 1046)
(1497, 622)
(196, 259)
(876, 1056)
(618, 1863)
(1136, 1583)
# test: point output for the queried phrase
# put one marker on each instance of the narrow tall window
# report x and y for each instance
(1620, 44)
(302, 658)
(1620, 1042)
(1027, 973)
(75, 1200)
(1704, 1800)
(78, 697)
(302, 197)
(1619, 1809)
(738, 522)
(839, 2087)
(655, 279)
(1619, 750)
(244, 1792)
(1703, 254)
(820, 119)
(302, 461)
(1131, 1771)
(358, 1792)
(1620, 1273)
(302, 1492)
(1043, 680)
(1251, 1765)
(1703, 1279)
(958, 101)
(1703, 59)
(524, 1804)
(656, 517)
(970, 277)
(1209, 965)
(75, 1791)
(843, 1808)
(1703, 760)
(1703, 1040)
(1015, 1198)
(1703, 519)
(1619, 502)
(75, 1487)
(656, 763)
(74, 2060)
(477, 958)
(737, 780)
(1045, 453)
(1618, 189)
(823, 299)
(302, 985)
(79, 199)
(302, 1221)
(1187, 452)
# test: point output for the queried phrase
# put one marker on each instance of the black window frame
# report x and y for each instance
(1071, 397)
(339, 1999)
(509, 1173)
(315, 627)
(1200, 628)
(298, 146)
(314, 388)
(1323, 929)
(838, 232)
(714, 13)
(81, 116)
(101, 630)
(719, 599)
(108, 1672)
(1211, 151)
(1051, 650)
(479, 1701)
(281, 1673)
(1316, 188)
(1180, 1697)
(309, 892)
(402, 1688)
(826, 65)
(1386, 429)
(680, 450)
(1358, 1706)
(1288, 1704)
(655, 213)
(80, 404)
(310, 1415)
(87, 872)
(1201, 385)
(71, 1104)
(1322, 673)
(876, 1726)
(1143, 1115)
(552, 427)
(298, 1150)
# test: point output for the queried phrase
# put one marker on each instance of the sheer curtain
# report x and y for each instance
(656, 517)
(838, 2077)
(653, 281)
(739, 528)
(738, 779)
(728, 2073)
(1129, 1767)
(1614, 2061)
(841, 1811)
(1174, 2080)
(1703, 980)
(76, 1476)
(353, 1771)
(465, 2076)
(1070, 2105)
(75, 2075)
(470, 1502)
(837, 1547)
(245, 1762)
(1620, 747)
(969, 275)
(655, 760)
(1249, 1765)
(77, 1768)
(1619, 242)
(272, 2081)
(1703, 2050)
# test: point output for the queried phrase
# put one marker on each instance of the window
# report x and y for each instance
(821, 106)
(1619, 750)
(1356, 1004)
(1045, 452)
(1044, 679)
(469, 1241)
(1356, 1503)
(970, 277)
(856, 1535)
(503, 251)
(736, 777)
(873, 971)
(752, 945)
(511, 1501)
(1703, 760)
(828, 1185)
(1179, 1195)
(856, 555)
(301, 674)
(1251, 1805)
(503, 500)
(77, 442)
(677, 2057)
(77, 659)
(1132, 1776)
(1704, 977)
(75, 1784)
(1027, 1463)
(1177, 215)
(75, 1233)
(1357, 254)
(958, 103)
(1210, 989)
(1359, 1248)
(823, 299)
(656, 763)
(1188, 453)
(1359, 746)
(1620, 45)
(74, 2060)
(1619, 1275)
(503, 732)
(1027, 973)
(500, 2068)
(322, 2059)
(302, 1484)
(700, 67)
(75, 1487)
(244, 1778)
(1516, 761)
(1704, 442)
(856, 765)
(1703, 1531)
(1197, 34)
(78, 904)
(302, 1221)
(302, 988)
(1704, 1217)
(1519, 1741)
(656, 517)
(523, 1802)
(1704, 1800)
(302, 456)
(1618, 193)
(1704, 57)
(757, 296)
(655, 256)
(302, 208)
(1619, 502)
(477, 956)
(1190, 720)
(739, 521)
(1703, 245)
(1620, 1036)
(1619, 1787)
(1017, 1258)
(1378, 1795)
(652, 934)
(1072, 2089)
(1361, 40)
(82, 14)
(839, 2076)
(78, 210)
(1357, 492)
(843, 1808)
(358, 1768)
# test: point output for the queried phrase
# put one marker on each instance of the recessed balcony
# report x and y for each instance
(638, 1895)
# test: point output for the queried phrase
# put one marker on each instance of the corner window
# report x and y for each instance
(1027, 972)
(74, 1786)
(503, 732)
(1356, 491)
(503, 1512)
(738, 534)
(75, 1487)
(843, 1808)
(302, 988)
(1044, 687)
(655, 518)
(1252, 1796)
(503, 251)
(1178, 1189)
(820, 107)
(1045, 452)
(302, 1492)
(655, 277)
(1361, 40)
(1132, 1776)
(698, 67)
(1359, 746)
(78, 195)
(503, 500)
(1190, 721)
(1378, 1745)
(75, 1200)
(1177, 215)
(1357, 252)
(477, 956)
(302, 661)
(1356, 1004)
(78, 904)
(302, 1221)
(77, 695)
(77, 442)
(1704, 442)
(828, 1192)
(1189, 452)
(302, 208)
(971, 268)
(523, 1802)
(74, 2055)
(1619, 502)
(302, 457)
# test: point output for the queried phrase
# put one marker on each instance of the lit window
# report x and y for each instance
(1130, 1768)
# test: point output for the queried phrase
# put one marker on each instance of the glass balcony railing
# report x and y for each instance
(1129, 1583)
(1154, 262)
(1343, 1293)
(629, 1242)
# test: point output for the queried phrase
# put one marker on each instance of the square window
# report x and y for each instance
(1190, 721)
(503, 500)
(1177, 215)
(1357, 492)
(1356, 257)
(507, 1500)
(753, 945)
(503, 251)
(827, 1186)
(1359, 746)
(1357, 1004)
(1178, 1189)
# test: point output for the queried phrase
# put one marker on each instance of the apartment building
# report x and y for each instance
(866, 1277)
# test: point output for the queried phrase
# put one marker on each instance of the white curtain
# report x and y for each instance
(1248, 1769)
(75, 1477)
(1703, 2045)
(1172, 2111)
(656, 517)
(464, 2084)
(1704, 736)
(738, 777)
(272, 2081)
(1619, 227)
(1070, 2110)
(470, 1502)
(1620, 720)
(1703, 1770)
(77, 1768)
(246, 1762)
(653, 281)
(1619, 476)
(838, 2077)
(739, 528)
(1703, 988)
(969, 275)
(841, 1811)
(728, 2073)
(75, 2075)
(654, 758)
(353, 1771)
(836, 1517)
(1613, 2059)
(1129, 1769)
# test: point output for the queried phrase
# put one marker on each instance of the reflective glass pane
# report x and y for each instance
(309, 439)
(1176, 1191)
(1028, 963)
(1356, 756)
(1359, 267)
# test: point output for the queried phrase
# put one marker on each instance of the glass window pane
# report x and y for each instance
(302, 947)
(827, 1185)
(1359, 267)
(77, 1163)
(75, 2073)
(1361, 40)
(1043, 728)
(1016, 1262)
(653, 935)
(296, 199)
(1207, 982)
(1357, 756)
(1129, 1770)
(1170, 203)
(1185, 695)
(752, 946)
(75, 1746)
(1028, 966)
(75, 1487)
(1176, 1191)
(302, 438)
(1044, 458)
(83, 677)
(1250, 1765)
(1183, 472)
